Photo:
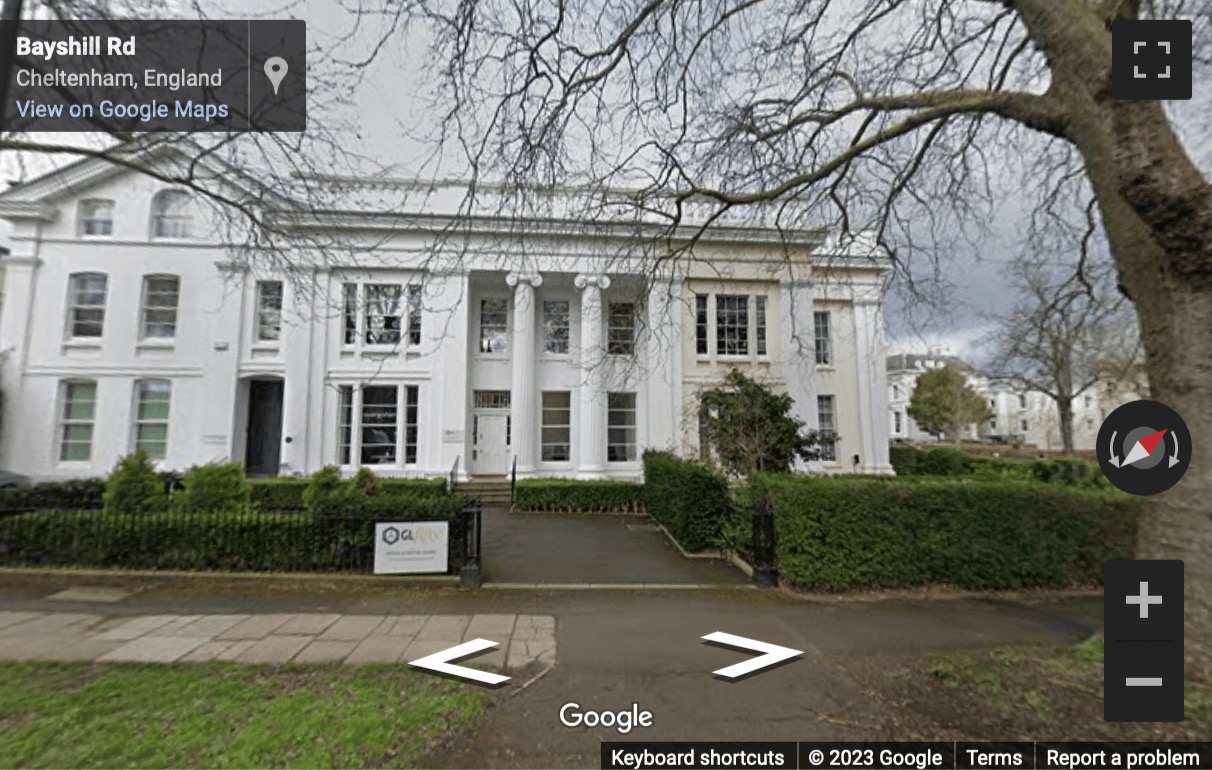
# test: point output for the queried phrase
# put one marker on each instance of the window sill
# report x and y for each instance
(826, 367)
(265, 347)
(83, 343)
(156, 344)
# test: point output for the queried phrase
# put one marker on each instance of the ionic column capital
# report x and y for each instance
(585, 280)
(531, 277)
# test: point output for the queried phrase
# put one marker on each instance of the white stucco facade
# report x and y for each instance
(134, 319)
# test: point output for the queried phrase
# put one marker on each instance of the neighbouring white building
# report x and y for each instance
(414, 337)
(1019, 416)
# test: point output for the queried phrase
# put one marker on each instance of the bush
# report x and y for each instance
(279, 494)
(135, 487)
(214, 488)
(326, 489)
(413, 488)
(856, 532)
(687, 497)
(567, 496)
(947, 461)
(73, 495)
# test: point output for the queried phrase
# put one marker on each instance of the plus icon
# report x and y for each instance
(1144, 600)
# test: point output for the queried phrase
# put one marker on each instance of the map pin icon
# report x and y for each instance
(275, 70)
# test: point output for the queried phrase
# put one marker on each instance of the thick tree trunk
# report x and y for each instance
(1064, 409)
(1156, 209)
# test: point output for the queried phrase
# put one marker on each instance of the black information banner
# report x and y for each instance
(908, 756)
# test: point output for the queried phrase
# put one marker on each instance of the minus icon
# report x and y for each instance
(1144, 681)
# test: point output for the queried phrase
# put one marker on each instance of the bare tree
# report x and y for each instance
(1062, 337)
(907, 116)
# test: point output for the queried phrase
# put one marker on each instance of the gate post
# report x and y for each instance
(764, 574)
(473, 516)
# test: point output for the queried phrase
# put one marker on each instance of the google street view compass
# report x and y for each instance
(1144, 447)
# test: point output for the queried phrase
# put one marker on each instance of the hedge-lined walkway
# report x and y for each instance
(271, 638)
(560, 548)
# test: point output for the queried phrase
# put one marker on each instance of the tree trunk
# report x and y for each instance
(1064, 409)
(1156, 209)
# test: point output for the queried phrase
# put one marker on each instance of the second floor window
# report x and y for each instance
(376, 313)
(620, 329)
(86, 301)
(824, 338)
(732, 325)
(269, 311)
(172, 214)
(160, 296)
(96, 217)
(494, 325)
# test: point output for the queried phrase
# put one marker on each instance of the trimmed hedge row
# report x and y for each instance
(286, 494)
(568, 496)
(688, 498)
(76, 494)
(948, 461)
(248, 541)
(854, 532)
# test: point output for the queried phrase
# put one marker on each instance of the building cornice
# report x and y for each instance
(39, 211)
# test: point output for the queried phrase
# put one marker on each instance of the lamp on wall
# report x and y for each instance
(857, 459)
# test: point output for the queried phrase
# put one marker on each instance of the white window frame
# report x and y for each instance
(66, 421)
(548, 339)
(409, 319)
(480, 339)
(145, 309)
(544, 426)
(828, 451)
(406, 450)
(87, 218)
(140, 422)
(266, 314)
(822, 343)
(621, 338)
(631, 449)
(182, 220)
(757, 326)
(74, 307)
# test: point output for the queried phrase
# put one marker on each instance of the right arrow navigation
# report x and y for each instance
(772, 654)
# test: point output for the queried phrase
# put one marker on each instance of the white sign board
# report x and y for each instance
(411, 547)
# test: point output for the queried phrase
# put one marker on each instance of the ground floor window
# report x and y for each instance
(152, 399)
(620, 428)
(557, 426)
(377, 425)
(826, 415)
(79, 412)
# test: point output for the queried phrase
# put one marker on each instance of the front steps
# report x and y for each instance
(492, 491)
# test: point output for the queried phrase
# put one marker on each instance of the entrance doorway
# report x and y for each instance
(490, 443)
(263, 451)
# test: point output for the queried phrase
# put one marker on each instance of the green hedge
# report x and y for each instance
(567, 496)
(948, 461)
(854, 532)
(688, 498)
(286, 494)
(76, 494)
(252, 541)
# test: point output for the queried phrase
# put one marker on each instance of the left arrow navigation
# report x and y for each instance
(440, 662)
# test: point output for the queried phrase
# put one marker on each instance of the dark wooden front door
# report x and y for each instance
(262, 455)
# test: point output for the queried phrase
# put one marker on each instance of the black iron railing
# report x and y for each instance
(472, 528)
(764, 573)
(513, 480)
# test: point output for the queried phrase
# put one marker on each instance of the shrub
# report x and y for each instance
(73, 495)
(135, 487)
(567, 496)
(325, 489)
(214, 488)
(413, 487)
(855, 532)
(365, 481)
(687, 497)
(279, 494)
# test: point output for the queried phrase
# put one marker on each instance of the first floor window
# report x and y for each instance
(79, 412)
(620, 427)
(160, 295)
(557, 426)
(494, 322)
(555, 326)
(86, 305)
(826, 417)
(151, 417)
(96, 217)
(620, 329)
(1024, 424)
(759, 323)
(824, 338)
(414, 315)
(383, 313)
(376, 313)
(269, 311)
(369, 426)
(732, 324)
(700, 324)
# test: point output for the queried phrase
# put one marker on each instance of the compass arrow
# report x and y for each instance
(1114, 457)
(1174, 457)
(1144, 447)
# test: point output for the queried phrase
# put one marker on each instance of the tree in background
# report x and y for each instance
(752, 429)
(944, 403)
(1064, 335)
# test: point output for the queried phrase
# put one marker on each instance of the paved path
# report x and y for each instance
(554, 548)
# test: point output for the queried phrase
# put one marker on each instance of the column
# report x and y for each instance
(797, 339)
(298, 316)
(15, 319)
(591, 424)
(870, 357)
(522, 343)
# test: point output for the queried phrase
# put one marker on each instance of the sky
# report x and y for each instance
(383, 110)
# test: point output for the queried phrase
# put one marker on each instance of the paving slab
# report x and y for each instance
(498, 628)
(153, 649)
(256, 627)
(86, 650)
(11, 618)
(447, 628)
(135, 627)
(403, 625)
(54, 624)
(378, 648)
(274, 649)
(308, 624)
(210, 625)
(325, 652)
(26, 648)
(99, 594)
(351, 628)
(236, 649)
(209, 651)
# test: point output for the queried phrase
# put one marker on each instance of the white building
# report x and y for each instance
(409, 338)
